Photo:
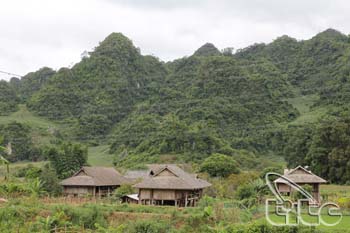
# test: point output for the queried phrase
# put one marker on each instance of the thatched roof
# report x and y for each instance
(136, 174)
(95, 176)
(301, 175)
(170, 176)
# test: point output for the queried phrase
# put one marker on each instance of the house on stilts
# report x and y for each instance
(167, 184)
(93, 181)
(300, 176)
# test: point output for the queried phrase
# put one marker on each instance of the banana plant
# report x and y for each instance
(5, 162)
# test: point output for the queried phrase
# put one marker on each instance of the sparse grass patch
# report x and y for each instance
(100, 156)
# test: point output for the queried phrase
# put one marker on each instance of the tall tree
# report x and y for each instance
(67, 158)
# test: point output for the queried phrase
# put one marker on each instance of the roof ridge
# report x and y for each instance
(303, 168)
(168, 168)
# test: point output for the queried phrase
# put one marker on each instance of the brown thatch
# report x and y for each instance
(136, 174)
(301, 175)
(179, 180)
(95, 176)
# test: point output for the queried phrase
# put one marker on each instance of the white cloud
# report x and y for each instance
(37, 33)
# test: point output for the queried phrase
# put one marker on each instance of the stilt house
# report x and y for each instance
(301, 176)
(93, 181)
(167, 184)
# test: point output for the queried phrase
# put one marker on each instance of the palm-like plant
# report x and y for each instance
(4, 162)
(35, 187)
(259, 187)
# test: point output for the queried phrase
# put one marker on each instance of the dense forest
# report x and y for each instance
(287, 98)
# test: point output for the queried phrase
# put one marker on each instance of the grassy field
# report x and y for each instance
(331, 188)
(24, 116)
(42, 129)
(333, 192)
(303, 103)
(307, 113)
(15, 166)
(99, 156)
(43, 132)
(342, 226)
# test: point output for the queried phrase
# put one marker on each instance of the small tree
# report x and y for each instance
(67, 158)
(219, 165)
(50, 180)
(5, 162)
(35, 187)
(123, 190)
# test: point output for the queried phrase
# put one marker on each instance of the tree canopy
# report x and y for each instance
(219, 165)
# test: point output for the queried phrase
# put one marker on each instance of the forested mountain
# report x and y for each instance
(278, 98)
(8, 98)
(31, 83)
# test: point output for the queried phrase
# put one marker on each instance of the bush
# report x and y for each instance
(89, 217)
(123, 190)
(33, 173)
(219, 165)
(50, 181)
(344, 202)
(245, 191)
(148, 226)
(206, 201)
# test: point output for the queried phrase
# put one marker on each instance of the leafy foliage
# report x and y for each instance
(19, 136)
(124, 189)
(207, 49)
(219, 165)
(8, 98)
(50, 181)
(31, 83)
(67, 158)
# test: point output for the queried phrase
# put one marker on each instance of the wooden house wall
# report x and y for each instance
(79, 190)
(161, 194)
(284, 188)
(164, 194)
(145, 194)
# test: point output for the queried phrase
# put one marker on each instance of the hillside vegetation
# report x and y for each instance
(288, 98)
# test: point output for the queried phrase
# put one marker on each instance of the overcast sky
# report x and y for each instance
(54, 33)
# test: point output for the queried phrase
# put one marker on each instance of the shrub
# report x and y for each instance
(50, 181)
(344, 202)
(148, 226)
(124, 189)
(89, 217)
(219, 165)
(245, 191)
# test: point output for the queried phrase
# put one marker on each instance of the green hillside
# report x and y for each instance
(276, 99)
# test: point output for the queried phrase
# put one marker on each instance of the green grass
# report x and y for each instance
(43, 133)
(307, 114)
(99, 156)
(303, 103)
(310, 117)
(332, 188)
(334, 192)
(15, 166)
(42, 129)
(344, 224)
(24, 116)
